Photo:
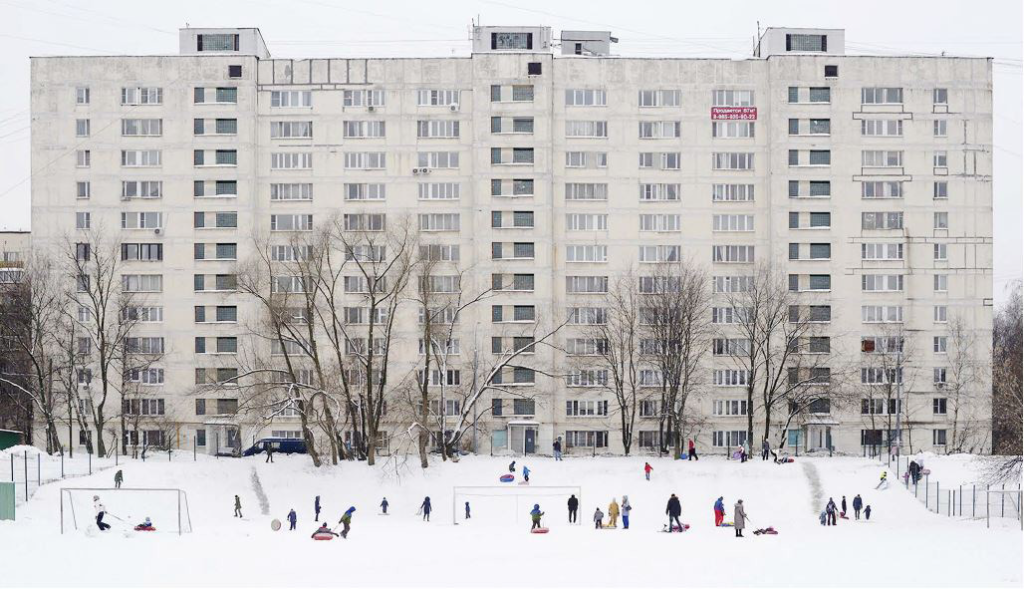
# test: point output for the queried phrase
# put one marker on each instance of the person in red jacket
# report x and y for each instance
(647, 470)
(693, 452)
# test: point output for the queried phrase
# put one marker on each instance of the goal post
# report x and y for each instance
(508, 497)
(168, 507)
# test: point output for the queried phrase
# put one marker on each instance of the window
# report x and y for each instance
(938, 404)
(732, 161)
(940, 344)
(374, 98)
(437, 191)
(881, 314)
(142, 283)
(660, 161)
(83, 190)
(533, 68)
(84, 158)
(733, 223)
(881, 251)
(820, 95)
(941, 220)
(586, 222)
(366, 160)
(881, 96)
(659, 222)
(439, 159)
(586, 284)
(82, 128)
(586, 408)
(831, 71)
(798, 42)
(363, 129)
(142, 127)
(140, 158)
(659, 129)
(882, 282)
(728, 439)
(659, 253)
(586, 159)
(940, 252)
(732, 192)
(577, 191)
(733, 253)
(82, 220)
(940, 190)
(82, 95)
(941, 283)
(881, 127)
(279, 192)
(437, 97)
(291, 98)
(291, 129)
(940, 313)
(881, 220)
(939, 128)
(586, 439)
(589, 97)
(143, 252)
(440, 129)
(657, 98)
(940, 96)
(659, 192)
(586, 129)
(939, 437)
(732, 98)
(234, 71)
(439, 222)
(881, 159)
(732, 129)
(881, 190)
(139, 96)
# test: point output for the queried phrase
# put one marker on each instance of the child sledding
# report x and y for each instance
(769, 531)
(146, 526)
(324, 533)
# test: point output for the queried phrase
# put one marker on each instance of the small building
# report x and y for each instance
(9, 438)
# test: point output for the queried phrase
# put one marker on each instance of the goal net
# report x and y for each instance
(512, 503)
(167, 509)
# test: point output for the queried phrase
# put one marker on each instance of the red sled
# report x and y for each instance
(324, 536)
(507, 478)
(675, 528)
(142, 528)
(539, 531)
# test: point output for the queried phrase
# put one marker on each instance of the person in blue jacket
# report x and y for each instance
(291, 519)
(526, 473)
(858, 503)
(535, 515)
(719, 512)
(425, 509)
(467, 509)
(384, 506)
(316, 507)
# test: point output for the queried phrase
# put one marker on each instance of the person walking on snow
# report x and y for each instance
(857, 504)
(830, 511)
(626, 508)
(557, 447)
(765, 447)
(101, 510)
(613, 514)
(346, 521)
(867, 512)
(535, 516)
(292, 518)
(647, 470)
(574, 504)
(238, 507)
(598, 516)
(746, 450)
(842, 512)
(270, 453)
(692, 452)
(526, 474)
(719, 512)
(118, 479)
(425, 509)
(674, 510)
(467, 509)
(512, 467)
(384, 506)
(739, 518)
(316, 508)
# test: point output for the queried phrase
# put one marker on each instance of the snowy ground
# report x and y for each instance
(902, 545)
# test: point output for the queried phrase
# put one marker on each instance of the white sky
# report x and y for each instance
(322, 28)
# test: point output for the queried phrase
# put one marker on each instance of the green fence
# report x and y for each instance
(6, 501)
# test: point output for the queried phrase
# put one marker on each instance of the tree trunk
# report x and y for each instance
(101, 445)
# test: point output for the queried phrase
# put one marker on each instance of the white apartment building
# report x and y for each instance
(867, 178)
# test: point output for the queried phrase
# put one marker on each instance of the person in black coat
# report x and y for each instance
(512, 467)
(843, 504)
(830, 513)
(674, 510)
(425, 509)
(858, 503)
(316, 507)
(574, 504)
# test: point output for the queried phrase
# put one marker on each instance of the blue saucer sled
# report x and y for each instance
(507, 478)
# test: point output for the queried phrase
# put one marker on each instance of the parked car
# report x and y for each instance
(281, 445)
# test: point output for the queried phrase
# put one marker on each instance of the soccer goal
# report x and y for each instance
(126, 508)
(511, 503)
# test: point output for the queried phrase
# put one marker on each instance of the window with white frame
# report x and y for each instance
(660, 161)
(365, 160)
(941, 220)
(940, 313)
(743, 254)
(659, 98)
(939, 128)
(885, 189)
(731, 407)
(586, 222)
(146, 189)
(142, 220)
(732, 284)
(291, 129)
(732, 223)
(439, 221)
(660, 222)
(82, 127)
(437, 129)
(586, 159)
(291, 99)
(660, 253)
(142, 95)
(142, 127)
(82, 95)
(586, 253)
(732, 129)
(881, 251)
(940, 96)
(881, 127)
(586, 191)
(363, 129)
(292, 191)
(940, 252)
(586, 129)
(940, 283)
(586, 284)
(372, 97)
(142, 282)
(365, 191)
(732, 192)
(732, 98)
(732, 161)
(940, 159)
(881, 95)
(881, 159)
(437, 97)
(139, 158)
(881, 314)
(882, 282)
(437, 160)
(299, 222)
(291, 161)
(586, 97)
(660, 129)
(439, 191)
(660, 192)
(880, 220)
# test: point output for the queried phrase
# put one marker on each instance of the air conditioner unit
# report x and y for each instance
(415, 171)
(158, 231)
(371, 108)
(424, 170)
(453, 107)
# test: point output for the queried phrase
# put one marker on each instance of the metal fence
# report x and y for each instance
(976, 500)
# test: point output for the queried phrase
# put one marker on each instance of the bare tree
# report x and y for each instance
(31, 310)
(106, 295)
(1007, 410)
(960, 381)
(676, 317)
(887, 371)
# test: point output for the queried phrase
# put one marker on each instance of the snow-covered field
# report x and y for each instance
(902, 545)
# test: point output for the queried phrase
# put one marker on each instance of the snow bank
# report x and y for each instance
(903, 544)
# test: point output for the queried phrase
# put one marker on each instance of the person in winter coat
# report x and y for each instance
(118, 479)
(857, 504)
(674, 510)
(467, 509)
(883, 481)
(574, 504)
(292, 518)
(719, 512)
(101, 510)
(323, 529)
(765, 447)
(526, 474)
(842, 511)
(613, 514)
(626, 508)
(512, 467)
(739, 518)
(316, 508)
(346, 521)
(270, 452)
(535, 515)
(692, 452)
(647, 470)
(384, 506)
(557, 447)
(746, 451)
(425, 509)
(598, 517)
(238, 507)
(830, 510)
(867, 512)
(823, 517)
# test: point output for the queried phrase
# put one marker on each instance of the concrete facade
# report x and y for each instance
(941, 108)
